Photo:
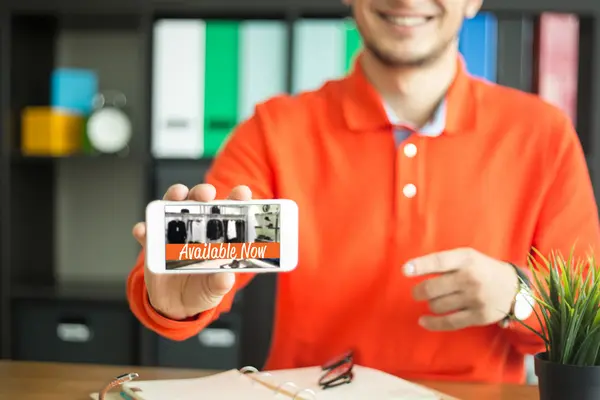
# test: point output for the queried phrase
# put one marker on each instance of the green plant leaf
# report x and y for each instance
(588, 351)
(567, 298)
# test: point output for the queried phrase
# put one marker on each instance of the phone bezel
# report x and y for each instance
(155, 236)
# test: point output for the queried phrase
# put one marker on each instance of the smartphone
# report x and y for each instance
(184, 237)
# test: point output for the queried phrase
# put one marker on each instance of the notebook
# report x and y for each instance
(110, 396)
(298, 384)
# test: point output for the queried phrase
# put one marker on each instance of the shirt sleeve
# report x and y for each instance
(568, 219)
(243, 160)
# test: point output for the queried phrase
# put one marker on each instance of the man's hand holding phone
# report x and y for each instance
(181, 296)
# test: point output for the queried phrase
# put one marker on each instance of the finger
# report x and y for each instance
(450, 303)
(432, 288)
(241, 193)
(202, 192)
(444, 261)
(177, 192)
(139, 233)
(451, 322)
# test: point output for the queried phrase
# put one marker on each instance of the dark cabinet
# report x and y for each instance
(215, 347)
(73, 331)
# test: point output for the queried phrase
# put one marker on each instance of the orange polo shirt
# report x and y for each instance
(507, 173)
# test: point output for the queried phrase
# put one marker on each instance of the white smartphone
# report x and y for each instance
(184, 237)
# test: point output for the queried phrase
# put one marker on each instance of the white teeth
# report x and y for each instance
(407, 21)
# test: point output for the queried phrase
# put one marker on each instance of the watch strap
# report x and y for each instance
(523, 281)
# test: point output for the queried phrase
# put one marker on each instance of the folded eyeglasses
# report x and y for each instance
(337, 371)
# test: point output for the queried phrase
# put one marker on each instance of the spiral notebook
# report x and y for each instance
(298, 384)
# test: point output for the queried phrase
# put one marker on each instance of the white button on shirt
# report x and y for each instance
(410, 150)
(434, 128)
(409, 190)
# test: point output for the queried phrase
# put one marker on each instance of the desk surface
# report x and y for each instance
(48, 381)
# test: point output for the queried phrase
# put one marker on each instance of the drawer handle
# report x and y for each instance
(211, 337)
(78, 333)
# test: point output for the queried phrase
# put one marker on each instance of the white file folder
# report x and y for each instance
(178, 89)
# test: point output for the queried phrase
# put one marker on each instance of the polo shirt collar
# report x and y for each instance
(364, 110)
(435, 126)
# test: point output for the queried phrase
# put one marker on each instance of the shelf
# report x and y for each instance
(262, 8)
(582, 7)
(90, 7)
(110, 46)
(224, 8)
(18, 159)
(78, 291)
(184, 161)
(335, 8)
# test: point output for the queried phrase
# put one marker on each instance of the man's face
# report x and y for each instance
(410, 32)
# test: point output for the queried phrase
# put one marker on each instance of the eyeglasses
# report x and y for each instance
(338, 371)
(118, 381)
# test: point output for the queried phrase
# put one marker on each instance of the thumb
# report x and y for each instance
(205, 291)
(219, 284)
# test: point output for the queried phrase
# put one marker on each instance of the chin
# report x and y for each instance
(403, 58)
(406, 54)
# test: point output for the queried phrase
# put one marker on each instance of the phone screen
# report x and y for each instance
(222, 236)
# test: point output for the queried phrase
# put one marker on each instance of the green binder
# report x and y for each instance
(244, 65)
(220, 83)
(353, 44)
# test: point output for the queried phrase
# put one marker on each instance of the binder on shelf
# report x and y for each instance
(236, 65)
(515, 52)
(178, 89)
(263, 53)
(478, 41)
(220, 83)
(558, 61)
(298, 384)
(323, 50)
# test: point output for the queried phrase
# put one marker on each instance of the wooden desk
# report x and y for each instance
(47, 381)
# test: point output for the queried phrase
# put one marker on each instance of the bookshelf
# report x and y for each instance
(65, 222)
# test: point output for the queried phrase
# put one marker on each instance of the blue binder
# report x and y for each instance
(478, 43)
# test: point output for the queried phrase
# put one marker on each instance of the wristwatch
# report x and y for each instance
(522, 306)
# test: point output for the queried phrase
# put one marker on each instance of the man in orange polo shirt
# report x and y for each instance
(418, 186)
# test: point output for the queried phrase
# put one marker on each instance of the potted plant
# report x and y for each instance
(566, 296)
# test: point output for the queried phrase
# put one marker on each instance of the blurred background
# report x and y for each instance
(106, 103)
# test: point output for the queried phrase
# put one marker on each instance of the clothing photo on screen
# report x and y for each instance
(177, 229)
(223, 224)
(215, 230)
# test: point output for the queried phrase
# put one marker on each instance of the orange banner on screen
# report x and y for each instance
(216, 251)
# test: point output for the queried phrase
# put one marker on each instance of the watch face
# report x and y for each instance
(109, 130)
(523, 305)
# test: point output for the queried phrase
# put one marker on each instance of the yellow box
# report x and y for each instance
(50, 132)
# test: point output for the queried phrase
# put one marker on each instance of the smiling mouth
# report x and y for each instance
(406, 21)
